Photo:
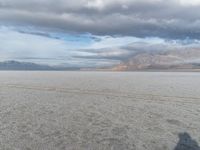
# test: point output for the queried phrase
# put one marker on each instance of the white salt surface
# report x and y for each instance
(99, 111)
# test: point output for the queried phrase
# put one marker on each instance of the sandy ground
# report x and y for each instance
(99, 111)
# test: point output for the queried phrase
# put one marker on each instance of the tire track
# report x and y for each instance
(103, 93)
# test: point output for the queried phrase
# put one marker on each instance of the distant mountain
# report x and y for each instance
(15, 65)
(162, 60)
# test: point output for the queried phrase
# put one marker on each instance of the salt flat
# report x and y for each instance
(99, 111)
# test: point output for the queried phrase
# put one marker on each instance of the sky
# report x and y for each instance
(94, 33)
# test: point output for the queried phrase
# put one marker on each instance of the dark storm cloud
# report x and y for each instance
(169, 19)
(35, 33)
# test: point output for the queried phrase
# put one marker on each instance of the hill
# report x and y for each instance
(162, 60)
(15, 65)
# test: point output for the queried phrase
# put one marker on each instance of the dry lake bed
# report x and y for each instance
(99, 111)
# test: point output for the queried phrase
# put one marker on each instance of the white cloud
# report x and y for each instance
(14, 43)
(190, 2)
(39, 47)
(109, 42)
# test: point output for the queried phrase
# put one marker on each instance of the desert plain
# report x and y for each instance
(99, 110)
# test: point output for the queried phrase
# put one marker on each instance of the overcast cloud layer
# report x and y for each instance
(95, 32)
(140, 18)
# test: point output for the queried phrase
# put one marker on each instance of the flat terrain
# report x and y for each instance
(99, 111)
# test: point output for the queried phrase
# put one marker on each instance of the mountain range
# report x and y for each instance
(187, 59)
(16, 65)
(152, 60)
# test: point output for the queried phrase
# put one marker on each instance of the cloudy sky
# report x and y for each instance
(94, 32)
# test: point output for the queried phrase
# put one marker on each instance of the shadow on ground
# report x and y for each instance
(186, 143)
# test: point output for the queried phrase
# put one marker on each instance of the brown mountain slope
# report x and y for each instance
(165, 60)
